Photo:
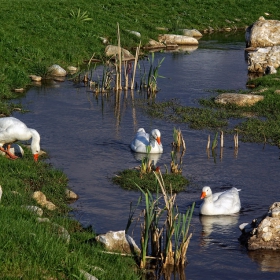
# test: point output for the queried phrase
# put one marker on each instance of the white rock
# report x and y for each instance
(177, 39)
(134, 33)
(275, 212)
(56, 70)
(70, 194)
(118, 241)
(265, 229)
(37, 210)
(112, 51)
(242, 226)
(87, 275)
(267, 236)
(238, 99)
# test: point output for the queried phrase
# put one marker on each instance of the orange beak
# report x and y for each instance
(203, 194)
(158, 140)
(35, 156)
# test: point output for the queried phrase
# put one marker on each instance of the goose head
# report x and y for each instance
(206, 192)
(35, 144)
(155, 133)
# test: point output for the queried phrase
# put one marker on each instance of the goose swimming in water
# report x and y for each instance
(142, 140)
(12, 130)
(221, 203)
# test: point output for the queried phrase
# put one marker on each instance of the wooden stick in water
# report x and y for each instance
(208, 142)
(222, 139)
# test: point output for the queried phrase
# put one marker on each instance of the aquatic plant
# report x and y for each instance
(179, 141)
(174, 227)
(128, 177)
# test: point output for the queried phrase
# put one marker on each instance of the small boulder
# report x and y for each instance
(118, 241)
(72, 69)
(35, 78)
(42, 200)
(177, 39)
(191, 33)
(35, 209)
(263, 232)
(71, 195)
(238, 99)
(56, 70)
(112, 51)
(263, 33)
(153, 44)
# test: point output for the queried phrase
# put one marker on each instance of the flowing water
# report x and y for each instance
(89, 138)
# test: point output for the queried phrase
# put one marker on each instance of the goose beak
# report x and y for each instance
(203, 194)
(158, 140)
(35, 156)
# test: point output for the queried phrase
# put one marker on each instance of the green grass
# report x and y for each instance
(33, 250)
(35, 35)
(130, 178)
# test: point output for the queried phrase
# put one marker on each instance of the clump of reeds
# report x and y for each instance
(153, 75)
(215, 141)
(147, 165)
(178, 144)
(175, 164)
(119, 73)
(161, 233)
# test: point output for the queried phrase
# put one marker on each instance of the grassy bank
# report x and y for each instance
(31, 249)
(37, 34)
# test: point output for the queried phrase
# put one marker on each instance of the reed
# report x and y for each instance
(208, 142)
(222, 138)
(175, 164)
(215, 141)
(235, 138)
(153, 75)
(146, 163)
(177, 224)
(174, 227)
(135, 65)
(178, 138)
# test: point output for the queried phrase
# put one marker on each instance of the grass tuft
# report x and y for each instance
(129, 178)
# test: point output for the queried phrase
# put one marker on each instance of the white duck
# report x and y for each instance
(143, 139)
(222, 203)
(12, 130)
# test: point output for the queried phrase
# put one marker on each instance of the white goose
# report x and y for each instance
(143, 139)
(222, 203)
(12, 130)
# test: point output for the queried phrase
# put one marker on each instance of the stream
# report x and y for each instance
(88, 138)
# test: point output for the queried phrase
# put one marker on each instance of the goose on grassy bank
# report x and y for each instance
(12, 130)
(142, 140)
(221, 203)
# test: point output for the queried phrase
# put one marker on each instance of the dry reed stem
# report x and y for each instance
(135, 64)
(183, 251)
(119, 76)
(208, 143)
(125, 75)
(222, 139)
(184, 144)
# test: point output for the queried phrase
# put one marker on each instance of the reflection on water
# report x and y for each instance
(153, 157)
(268, 260)
(222, 224)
